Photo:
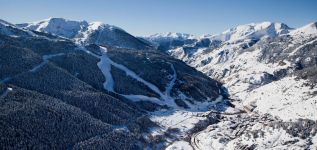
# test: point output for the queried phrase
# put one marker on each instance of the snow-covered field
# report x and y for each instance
(182, 120)
(286, 98)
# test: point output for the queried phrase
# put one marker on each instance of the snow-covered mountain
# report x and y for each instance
(268, 68)
(77, 85)
(86, 33)
(251, 31)
(58, 93)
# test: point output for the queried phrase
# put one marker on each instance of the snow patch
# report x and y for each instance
(179, 145)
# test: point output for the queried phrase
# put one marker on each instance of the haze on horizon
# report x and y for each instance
(143, 17)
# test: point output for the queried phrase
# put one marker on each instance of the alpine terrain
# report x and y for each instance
(68, 84)
(270, 71)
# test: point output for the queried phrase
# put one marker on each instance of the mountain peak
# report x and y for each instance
(65, 27)
(58, 26)
(252, 30)
(309, 29)
(54, 20)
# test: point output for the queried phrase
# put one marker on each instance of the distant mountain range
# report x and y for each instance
(76, 85)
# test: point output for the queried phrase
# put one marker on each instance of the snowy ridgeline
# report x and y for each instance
(239, 33)
(83, 32)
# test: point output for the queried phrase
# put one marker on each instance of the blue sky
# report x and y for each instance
(144, 17)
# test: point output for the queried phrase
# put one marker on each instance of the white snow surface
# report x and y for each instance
(314, 140)
(58, 26)
(286, 98)
(310, 29)
(180, 119)
(79, 31)
(179, 145)
(247, 31)
(214, 138)
(253, 30)
(105, 66)
(101, 28)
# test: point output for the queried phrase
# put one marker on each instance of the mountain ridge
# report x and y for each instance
(83, 32)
